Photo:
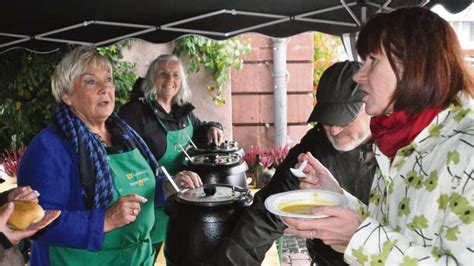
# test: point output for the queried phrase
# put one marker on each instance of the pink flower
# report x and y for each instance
(11, 161)
(267, 157)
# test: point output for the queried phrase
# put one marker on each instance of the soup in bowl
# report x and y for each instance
(299, 203)
(303, 207)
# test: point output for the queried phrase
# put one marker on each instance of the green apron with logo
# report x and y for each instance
(130, 244)
(172, 160)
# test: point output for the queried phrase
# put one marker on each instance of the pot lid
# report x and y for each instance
(211, 195)
(214, 159)
(225, 147)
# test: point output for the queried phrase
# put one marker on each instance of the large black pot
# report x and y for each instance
(219, 168)
(199, 219)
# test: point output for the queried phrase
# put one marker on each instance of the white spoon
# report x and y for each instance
(298, 172)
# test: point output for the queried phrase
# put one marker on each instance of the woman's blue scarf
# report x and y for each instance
(95, 175)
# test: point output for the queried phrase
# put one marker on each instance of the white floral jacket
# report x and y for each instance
(421, 207)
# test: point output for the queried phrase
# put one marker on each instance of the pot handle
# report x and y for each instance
(239, 189)
(247, 197)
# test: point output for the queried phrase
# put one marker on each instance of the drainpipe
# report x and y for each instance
(280, 109)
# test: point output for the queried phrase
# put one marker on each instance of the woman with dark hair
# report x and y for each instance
(420, 93)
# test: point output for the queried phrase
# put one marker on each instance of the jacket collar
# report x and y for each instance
(177, 111)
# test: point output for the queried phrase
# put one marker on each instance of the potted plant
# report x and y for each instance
(263, 161)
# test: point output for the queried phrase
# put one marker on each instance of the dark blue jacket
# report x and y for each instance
(51, 167)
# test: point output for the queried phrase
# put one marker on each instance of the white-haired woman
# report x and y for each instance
(164, 118)
(94, 168)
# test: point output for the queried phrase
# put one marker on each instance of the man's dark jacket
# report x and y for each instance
(257, 229)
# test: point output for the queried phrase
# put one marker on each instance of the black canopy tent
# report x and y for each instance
(45, 25)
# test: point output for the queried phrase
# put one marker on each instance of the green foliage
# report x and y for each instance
(124, 75)
(26, 102)
(325, 54)
(217, 57)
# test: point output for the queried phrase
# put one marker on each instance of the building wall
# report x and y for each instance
(463, 25)
(252, 91)
(142, 53)
(247, 115)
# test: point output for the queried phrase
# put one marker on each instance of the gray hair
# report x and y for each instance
(71, 66)
(184, 93)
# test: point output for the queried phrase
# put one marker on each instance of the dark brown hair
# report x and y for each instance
(424, 53)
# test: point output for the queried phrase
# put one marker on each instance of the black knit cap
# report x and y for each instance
(338, 97)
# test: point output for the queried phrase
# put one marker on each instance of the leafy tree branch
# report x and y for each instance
(217, 57)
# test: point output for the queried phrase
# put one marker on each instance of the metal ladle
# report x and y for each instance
(191, 141)
(169, 178)
(185, 153)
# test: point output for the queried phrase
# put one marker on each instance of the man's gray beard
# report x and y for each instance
(348, 146)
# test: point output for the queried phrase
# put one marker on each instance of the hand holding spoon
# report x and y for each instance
(298, 172)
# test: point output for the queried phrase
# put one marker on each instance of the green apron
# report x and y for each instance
(130, 244)
(172, 160)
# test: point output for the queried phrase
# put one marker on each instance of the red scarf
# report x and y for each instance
(396, 131)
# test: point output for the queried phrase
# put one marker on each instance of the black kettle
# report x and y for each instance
(219, 168)
(199, 219)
